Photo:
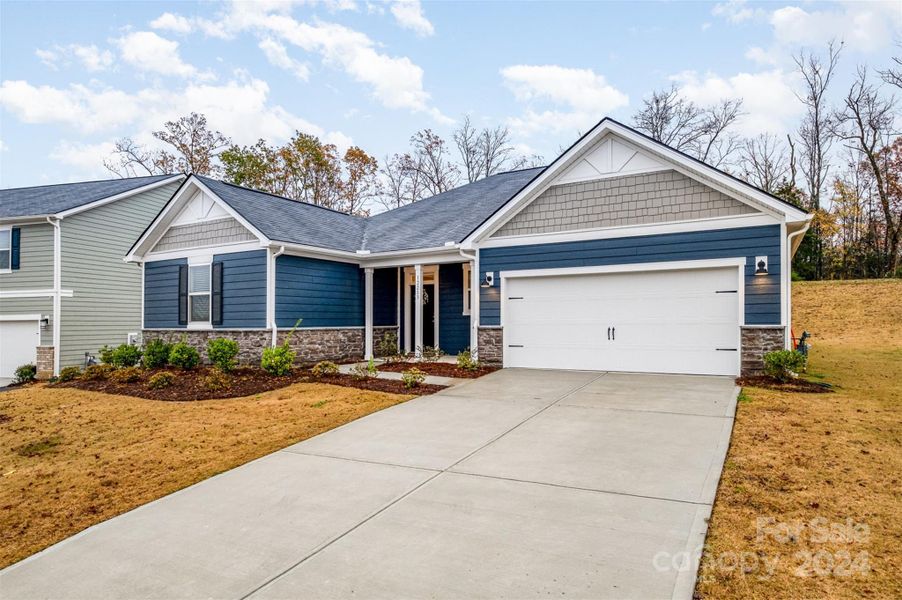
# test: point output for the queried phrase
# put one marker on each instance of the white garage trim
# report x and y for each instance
(29, 317)
(737, 263)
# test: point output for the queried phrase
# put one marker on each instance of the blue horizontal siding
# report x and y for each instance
(323, 293)
(762, 293)
(243, 289)
(385, 297)
(161, 293)
(454, 326)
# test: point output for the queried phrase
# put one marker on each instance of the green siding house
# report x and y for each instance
(64, 289)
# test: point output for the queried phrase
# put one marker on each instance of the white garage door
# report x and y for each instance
(658, 321)
(18, 345)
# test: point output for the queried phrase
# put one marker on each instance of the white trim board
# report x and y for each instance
(22, 317)
(44, 293)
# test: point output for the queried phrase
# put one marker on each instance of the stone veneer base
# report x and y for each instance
(45, 362)
(490, 340)
(311, 345)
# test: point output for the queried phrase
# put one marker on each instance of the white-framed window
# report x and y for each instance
(468, 287)
(199, 294)
(6, 249)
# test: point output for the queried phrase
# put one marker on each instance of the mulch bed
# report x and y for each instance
(799, 385)
(244, 381)
(441, 369)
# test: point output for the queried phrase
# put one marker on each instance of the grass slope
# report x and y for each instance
(826, 468)
(72, 458)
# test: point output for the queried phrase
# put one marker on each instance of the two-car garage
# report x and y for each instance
(660, 320)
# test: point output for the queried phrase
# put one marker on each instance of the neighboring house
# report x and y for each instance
(64, 289)
(623, 254)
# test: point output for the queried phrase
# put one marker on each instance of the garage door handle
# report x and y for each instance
(613, 333)
(609, 333)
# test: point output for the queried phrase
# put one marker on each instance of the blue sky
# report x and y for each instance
(76, 76)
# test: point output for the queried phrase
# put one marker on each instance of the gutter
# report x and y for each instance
(57, 290)
(272, 324)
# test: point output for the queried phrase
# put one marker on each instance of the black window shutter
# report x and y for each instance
(14, 246)
(216, 300)
(183, 294)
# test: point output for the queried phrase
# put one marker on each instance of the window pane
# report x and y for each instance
(4, 239)
(199, 278)
(200, 308)
(4, 259)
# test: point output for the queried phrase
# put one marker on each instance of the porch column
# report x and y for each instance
(368, 312)
(418, 311)
(474, 309)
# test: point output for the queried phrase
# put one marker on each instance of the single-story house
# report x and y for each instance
(64, 289)
(622, 254)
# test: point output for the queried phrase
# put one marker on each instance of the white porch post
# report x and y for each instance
(418, 311)
(368, 311)
(474, 308)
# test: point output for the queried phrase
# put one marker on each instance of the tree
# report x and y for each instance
(488, 151)
(701, 132)
(195, 147)
(762, 161)
(403, 182)
(430, 158)
(865, 121)
(360, 182)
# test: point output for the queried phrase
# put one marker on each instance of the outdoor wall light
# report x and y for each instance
(488, 280)
(760, 265)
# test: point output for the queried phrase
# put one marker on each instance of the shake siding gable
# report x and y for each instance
(106, 304)
(762, 293)
(161, 294)
(323, 293)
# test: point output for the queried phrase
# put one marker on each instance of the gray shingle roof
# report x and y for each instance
(51, 199)
(429, 223)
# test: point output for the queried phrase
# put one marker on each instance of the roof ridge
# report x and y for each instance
(46, 185)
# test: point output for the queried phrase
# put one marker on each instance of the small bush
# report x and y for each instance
(183, 356)
(69, 373)
(25, 374)
(324, 368)
(784, 365)
(125, 355)
(432, 353)
(106, 354)
(277, 361)
(413, 378)
(126, 375)
(97, 372)
(466, 361)
(216, 381)
(388, 345)
(222, 353)
(364, 371)
(161, 380)
(156, 354)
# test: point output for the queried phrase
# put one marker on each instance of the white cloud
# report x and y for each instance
(761, 56)
(864, 26)
(578, 98)
(90, 57)
(3, 146)
(277, 55)
(172, 22)
(734, 11)
(77, 106)
(767, 97)
(148, 52)
(409, 15)
(86, 157)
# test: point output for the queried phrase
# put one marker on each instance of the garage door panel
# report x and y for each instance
(18, 345)
(664, 321)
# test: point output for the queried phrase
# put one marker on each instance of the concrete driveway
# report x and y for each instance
(521, 483)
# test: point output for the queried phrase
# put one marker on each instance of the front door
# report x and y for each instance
(428, 313)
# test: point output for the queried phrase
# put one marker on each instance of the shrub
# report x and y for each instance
(97, 372)
(183, 356)
(432, 353)
(324, 368)
(156, 354)
(126, 375)
(222, 353)
(388, 345)
(466, 361)
(364, 371)
(784, 365)
(161, 380)
(106, 354)
(278, 360)
(25, 374)
(413, 378)
(69, 373)
(125, 355)
(216, 381)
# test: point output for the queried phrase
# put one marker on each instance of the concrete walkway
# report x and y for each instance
(520, 483)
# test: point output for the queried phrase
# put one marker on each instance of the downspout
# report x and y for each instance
(792, 250)
(474, 301)
(57, 287)
(275, 329)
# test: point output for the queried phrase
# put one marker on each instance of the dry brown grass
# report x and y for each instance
(797, 457)
(71, 458)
